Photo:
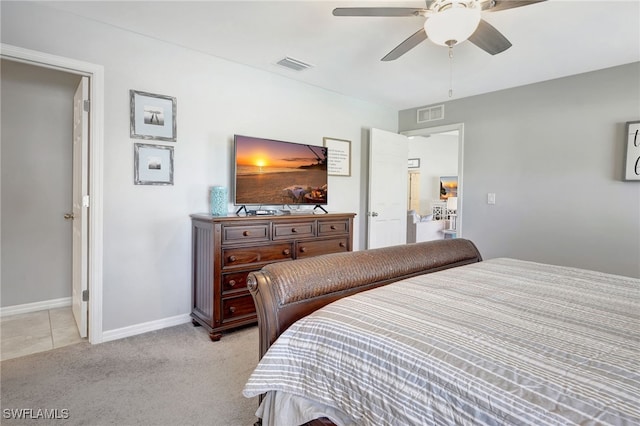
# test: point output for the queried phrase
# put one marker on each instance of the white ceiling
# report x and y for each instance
(552, 39)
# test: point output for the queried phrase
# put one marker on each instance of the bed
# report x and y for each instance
(429, 333)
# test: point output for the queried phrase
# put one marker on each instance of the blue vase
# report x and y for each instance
(218, 201)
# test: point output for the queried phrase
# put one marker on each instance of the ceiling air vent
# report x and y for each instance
(293, 64)
(430, 114)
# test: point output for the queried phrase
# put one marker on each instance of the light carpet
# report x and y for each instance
(174, 376)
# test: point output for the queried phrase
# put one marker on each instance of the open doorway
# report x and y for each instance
(389, 218)
(37, 170)
(435, 166)
(91, 199)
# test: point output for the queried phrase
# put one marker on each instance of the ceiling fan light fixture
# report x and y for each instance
(454, 24)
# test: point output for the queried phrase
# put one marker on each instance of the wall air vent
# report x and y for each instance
(430, 114)
(293, 64)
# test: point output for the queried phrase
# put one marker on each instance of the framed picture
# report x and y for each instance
(632, 158)
(152, 116)
(448, 187)
(153, 164)
(339, 163)
(414, 163)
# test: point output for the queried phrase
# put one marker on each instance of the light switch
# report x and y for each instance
(491, 198)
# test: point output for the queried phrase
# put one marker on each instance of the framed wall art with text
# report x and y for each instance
(632, 158)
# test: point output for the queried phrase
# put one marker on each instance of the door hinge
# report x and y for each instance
(85, 295)
(86, 105)
(85, 201)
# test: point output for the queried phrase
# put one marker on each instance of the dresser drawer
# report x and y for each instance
(236, 308)
(226, 249)
(235, 281)
(315, 248)
(294, 229)
(257, 254)
(244, 233)
(333, 227)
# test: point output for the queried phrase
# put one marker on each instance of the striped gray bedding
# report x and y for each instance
(500, 342)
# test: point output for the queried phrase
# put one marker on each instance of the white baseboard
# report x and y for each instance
(144, 327)
(35, 306)
(118, 333)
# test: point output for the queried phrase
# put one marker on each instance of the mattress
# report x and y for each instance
(497, 342)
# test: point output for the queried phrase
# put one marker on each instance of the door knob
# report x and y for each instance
(69, 216)
(374, 214)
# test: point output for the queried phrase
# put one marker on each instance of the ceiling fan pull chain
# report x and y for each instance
(450, 71)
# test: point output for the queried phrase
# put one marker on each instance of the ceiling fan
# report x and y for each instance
(447, 23)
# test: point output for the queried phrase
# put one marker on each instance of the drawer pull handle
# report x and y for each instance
(232, 258)
(232, 283)
(333, 227)
(246, 233)
(232, 309)
(303, 249)
(286, 252)
(294, 230)
(343, 245)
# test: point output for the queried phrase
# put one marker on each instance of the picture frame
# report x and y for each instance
(153, 117)
(153, 164)
(632, 156)
(414, 163)
(339, 156)
(448, 187)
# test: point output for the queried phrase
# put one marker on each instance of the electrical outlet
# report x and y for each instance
(491, 198)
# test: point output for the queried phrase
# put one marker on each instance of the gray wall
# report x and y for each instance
(37, 119)
(147, 230)
(553, 153)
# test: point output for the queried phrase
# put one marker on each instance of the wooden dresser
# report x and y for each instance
(226, 249)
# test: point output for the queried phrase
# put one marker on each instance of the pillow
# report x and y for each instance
(426, 218)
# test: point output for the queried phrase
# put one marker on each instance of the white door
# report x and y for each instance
(387, 215)
(80, 204)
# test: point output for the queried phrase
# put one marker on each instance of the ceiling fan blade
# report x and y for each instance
(414, 40)
(487, 38)
(378, 11)
(498, 5)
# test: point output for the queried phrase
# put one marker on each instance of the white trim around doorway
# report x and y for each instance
(96, 140)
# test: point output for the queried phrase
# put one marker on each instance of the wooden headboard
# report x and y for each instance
(287, 291)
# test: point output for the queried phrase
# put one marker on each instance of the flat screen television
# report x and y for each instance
(271, 172)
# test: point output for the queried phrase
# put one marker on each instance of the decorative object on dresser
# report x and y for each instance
(218, 201)
(226, 249)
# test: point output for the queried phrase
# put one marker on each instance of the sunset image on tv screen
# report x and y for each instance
(274, 172)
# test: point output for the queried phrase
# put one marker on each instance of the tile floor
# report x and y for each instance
(26, 334)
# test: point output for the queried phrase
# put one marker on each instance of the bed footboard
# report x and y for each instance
(287, 291)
